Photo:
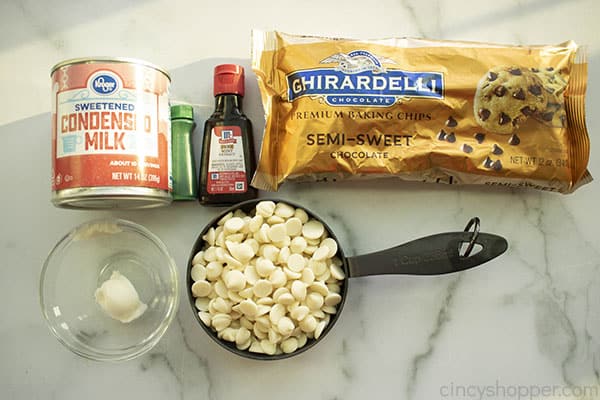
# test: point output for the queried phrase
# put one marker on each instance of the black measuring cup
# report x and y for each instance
(438, 254)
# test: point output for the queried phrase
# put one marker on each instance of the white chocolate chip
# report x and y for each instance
(249, 308)
(284, 255)
(329, 309)
(274, 219)
(225, 218)
(243, 252)
(278, 278)
(301, 215)
(310, 249)
(292, 274)
(319, 329)
(198, 258)
(265, 208)
(314, 301)
(234, 224)
(299, 313)
(277, 232)
(285, 326)
(201, 303)
(324, 277)
(253, 244)
(246, 293)
(255, 347)
(302, 339)
(221, 288)
(269, 252)
(296, 262)
(283, 243)
(320, 288)
(293, 227)
(298, 290)
(205, 317)
(262, 236)
(284, 210)
(298, 245)
(268, 347)
(263, 288)
(277, 312)
(201, 288)
(313, 229)
(245, 322)
(274, 336)
(210, 254)
(332, 245)
(333, 299)
(255, 223)
(337, 272)
(266, 301)
(322, 253)
(234, 296)
(278, 292)
(308, 276)
(251, 274)
(235, 280)
(334, 288)
(264, 267)
(198, 272)
(222, 306)
(242, 335)
(210, 237)
(308, 324)
(286, 299)
(221, 321)
(213, 270)
(318, 267)
(289, 345)
(235, 237)
(263, 309)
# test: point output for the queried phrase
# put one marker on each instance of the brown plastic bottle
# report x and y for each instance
(228, 160)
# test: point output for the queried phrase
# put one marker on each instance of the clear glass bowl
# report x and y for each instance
(85, 258)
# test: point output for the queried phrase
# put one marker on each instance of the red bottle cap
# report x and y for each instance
(229, 79)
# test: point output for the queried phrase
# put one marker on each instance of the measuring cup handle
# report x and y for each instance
(431, 255)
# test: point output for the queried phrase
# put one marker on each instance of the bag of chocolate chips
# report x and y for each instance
(421, 110)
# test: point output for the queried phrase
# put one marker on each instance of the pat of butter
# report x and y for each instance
(119, 299)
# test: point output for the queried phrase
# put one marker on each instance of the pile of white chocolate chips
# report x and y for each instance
(267, 281)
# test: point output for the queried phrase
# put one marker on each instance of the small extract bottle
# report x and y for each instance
(185, 183)
(228, 160)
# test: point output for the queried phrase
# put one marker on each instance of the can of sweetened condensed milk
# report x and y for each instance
(111, 134)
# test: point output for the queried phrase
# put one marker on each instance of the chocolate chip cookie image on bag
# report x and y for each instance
(506, 96)
(554, 85)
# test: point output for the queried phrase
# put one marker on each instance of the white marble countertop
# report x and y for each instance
(525, 324)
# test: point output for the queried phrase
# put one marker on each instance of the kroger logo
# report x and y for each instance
(359, 78)
(104, 83)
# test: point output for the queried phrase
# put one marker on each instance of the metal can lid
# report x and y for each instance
(182, 111)
(92, 60)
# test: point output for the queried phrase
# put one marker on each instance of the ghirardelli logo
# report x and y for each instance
(358, 61)
(360, 78)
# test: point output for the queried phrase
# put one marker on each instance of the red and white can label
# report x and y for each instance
(227, 165)
(110, 126)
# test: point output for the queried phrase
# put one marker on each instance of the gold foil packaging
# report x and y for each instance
(421, 110)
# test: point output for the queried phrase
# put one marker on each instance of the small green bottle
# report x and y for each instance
(185, 183)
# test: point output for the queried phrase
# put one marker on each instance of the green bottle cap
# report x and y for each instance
(182, 111)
